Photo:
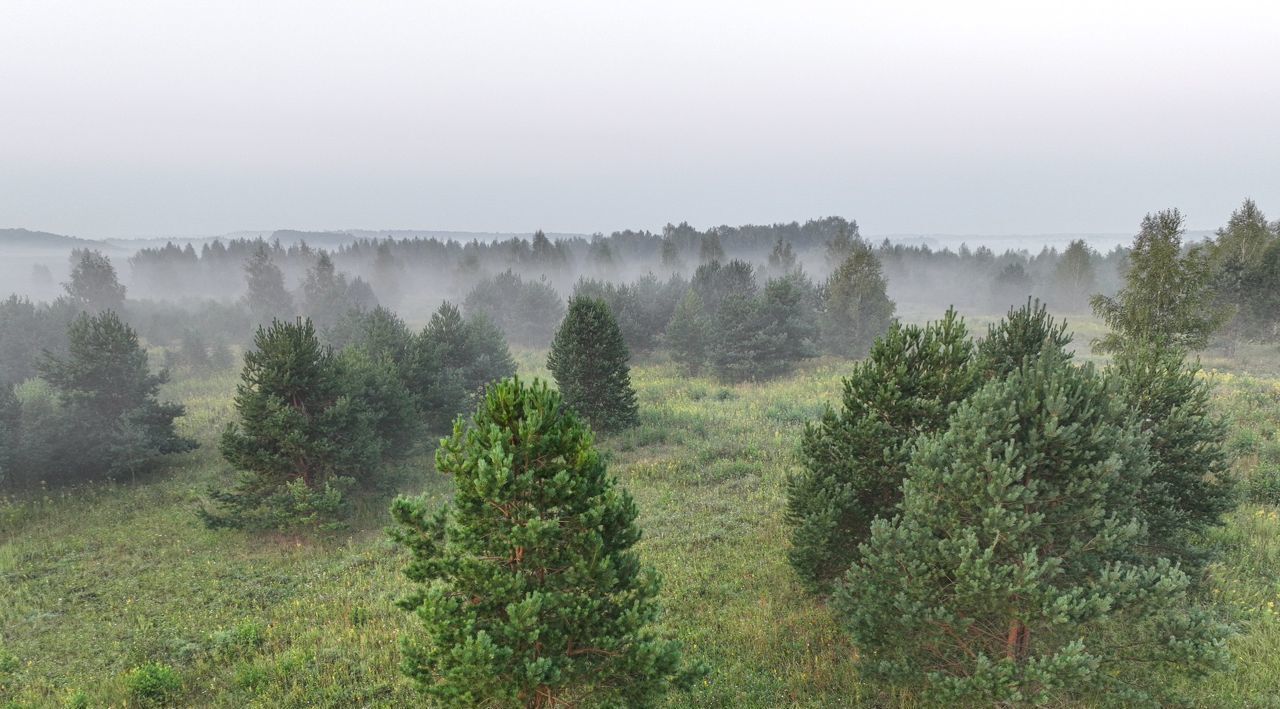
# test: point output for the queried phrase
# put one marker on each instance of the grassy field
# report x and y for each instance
(99, 581)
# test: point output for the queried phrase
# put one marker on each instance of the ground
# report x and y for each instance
(103, 580)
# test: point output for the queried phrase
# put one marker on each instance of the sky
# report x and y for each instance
(174, 118)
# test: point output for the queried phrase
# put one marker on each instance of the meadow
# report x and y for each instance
(104, 579)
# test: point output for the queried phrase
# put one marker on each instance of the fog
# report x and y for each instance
(155, 119)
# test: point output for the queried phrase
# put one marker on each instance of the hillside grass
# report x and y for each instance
(101, 580)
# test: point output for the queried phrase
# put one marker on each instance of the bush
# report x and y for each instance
(153, 682)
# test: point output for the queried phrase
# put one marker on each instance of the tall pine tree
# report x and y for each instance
(529, 591)
(588, 359)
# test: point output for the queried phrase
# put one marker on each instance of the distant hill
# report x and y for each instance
(27, 239)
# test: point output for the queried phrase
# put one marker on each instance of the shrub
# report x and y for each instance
(153, 682)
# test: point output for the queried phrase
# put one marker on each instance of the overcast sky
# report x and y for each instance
(183, 118)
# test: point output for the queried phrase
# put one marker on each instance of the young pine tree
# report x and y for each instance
(1008, 578)
(854, 460)
(689, 332)
(1022, 336)
(531, 594)
(109, 402)
(1190, 486)
(588, 359)
(300, 439)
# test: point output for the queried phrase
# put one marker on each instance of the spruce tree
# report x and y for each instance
(588, 359)
(530, 593)
(854, 460)
(688, 333)
(856, 308)
(1008, 576)
(300, 439)
(1190, 487)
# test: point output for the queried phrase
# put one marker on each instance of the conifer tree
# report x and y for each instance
(856, 308)
(1190, 487)
(108, 397)
(689, 333)
(854, 460)
(588, 359)
(300, 439)
(458, 358)
(1022, 336)
(1008, 578)
(266, 297)
(529, 591)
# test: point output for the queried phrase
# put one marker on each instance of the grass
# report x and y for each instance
(108, 586)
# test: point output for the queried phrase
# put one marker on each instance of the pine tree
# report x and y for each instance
(689, 333)
(300, 439)
(1007, 578)
(94, 285)
(376, 384)
(1190, 487)
(1022, 336)
(329, 296)
(108, 395)
(459, 357)
(854, 460)
(588, 359)
(267, 297)
(1166, 299)
(856, 307)
(530, 593)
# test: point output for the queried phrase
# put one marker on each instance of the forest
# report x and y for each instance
(754, 466)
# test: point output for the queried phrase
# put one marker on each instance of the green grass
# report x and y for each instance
(102, 581)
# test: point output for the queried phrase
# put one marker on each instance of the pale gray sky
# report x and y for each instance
(180, 118)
